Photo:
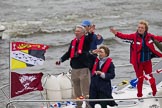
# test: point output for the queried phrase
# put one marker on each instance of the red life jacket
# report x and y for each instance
(104, 68)
(80, 46)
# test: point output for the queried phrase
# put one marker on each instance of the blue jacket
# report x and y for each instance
(95, 42)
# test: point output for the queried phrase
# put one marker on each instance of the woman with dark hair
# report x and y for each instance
(102, 72)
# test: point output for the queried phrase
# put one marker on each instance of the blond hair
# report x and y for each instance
(144, 22)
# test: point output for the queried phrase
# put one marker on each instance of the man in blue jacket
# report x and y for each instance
(97, 38)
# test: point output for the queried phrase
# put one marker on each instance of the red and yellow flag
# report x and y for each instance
(27, 54)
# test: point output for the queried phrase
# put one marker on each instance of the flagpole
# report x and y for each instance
(10, 48)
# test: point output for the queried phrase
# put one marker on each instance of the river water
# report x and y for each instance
(51, 22)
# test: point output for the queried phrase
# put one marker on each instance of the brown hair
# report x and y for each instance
(106, 49)
(144, 22)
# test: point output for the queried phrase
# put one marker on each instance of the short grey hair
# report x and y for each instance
(80, 26)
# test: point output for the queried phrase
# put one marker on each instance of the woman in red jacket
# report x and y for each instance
(141, 52)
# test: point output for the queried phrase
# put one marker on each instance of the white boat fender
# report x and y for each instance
(97, 106)
(52, 88)
(65, 85)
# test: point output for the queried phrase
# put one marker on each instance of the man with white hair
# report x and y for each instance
(79, 61)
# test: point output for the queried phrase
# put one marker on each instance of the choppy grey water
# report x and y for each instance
(51, 22)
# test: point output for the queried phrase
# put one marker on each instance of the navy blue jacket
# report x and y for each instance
(99, 84)
(95, 42)
(101, 88)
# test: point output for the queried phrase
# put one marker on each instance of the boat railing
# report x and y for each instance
(11, 102)
(128, 64)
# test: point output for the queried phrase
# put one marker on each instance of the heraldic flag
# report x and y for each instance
(25, 83)
(26, 54)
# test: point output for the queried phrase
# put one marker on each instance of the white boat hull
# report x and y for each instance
(128, 97)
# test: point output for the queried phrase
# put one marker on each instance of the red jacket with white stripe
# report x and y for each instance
(136, 46)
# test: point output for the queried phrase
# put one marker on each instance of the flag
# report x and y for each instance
(26, 54)
(25, 83)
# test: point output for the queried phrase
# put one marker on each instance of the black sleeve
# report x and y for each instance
(66, 56)
(92, 58)
(90, 37)
(87, 42)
